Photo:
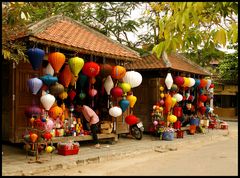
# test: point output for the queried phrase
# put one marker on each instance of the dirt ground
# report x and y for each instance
(217, 158)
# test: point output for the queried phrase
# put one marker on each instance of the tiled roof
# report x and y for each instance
(173, 61)
(67, 33)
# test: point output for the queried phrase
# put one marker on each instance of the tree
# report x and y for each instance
(186, 26)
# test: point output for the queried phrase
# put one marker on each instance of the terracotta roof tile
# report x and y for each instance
(177, 62)
(66, 31)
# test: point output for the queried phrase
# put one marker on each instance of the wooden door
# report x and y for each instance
(7, 81)
(23, 96)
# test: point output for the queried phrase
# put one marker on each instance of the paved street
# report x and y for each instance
(196, 151)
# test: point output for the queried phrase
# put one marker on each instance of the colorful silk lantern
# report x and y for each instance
(49, 125)
(174, 101)
(172, 118)
(162, 95)
(56, 89)
(202, 110)
(48, 70)
(177, 111)
(76, 64)
(118, 72)
(48, 79)
(126, 87)
(168, 102)
(211, 85)
(209, 81)
(47, 101)
(105, 70)
(56, 59)
(34, 84)
(116, 92)
(35, 56)
(82, 95)
(55, 112)
(32, 111)
(203, 98)
(72, 95)
(63, 95)
(169, 81)
(161, 88)
(65, 76)
(177, 125)
(161, 102)
(92, 92)
(192, 82)
(133, 78)
(108, 84)
(174, 88)
(82, 80)
(33, 137)
(203, 83)
(115, 111)
(186, 82)
(179, 81)
(197, 83)
(155, 122)
(131, 119)
(123, 103)
(47, 135)
(132, 100)
(178, 96)
(91, 69)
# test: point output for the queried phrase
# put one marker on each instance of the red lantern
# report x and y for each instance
(177, 125)
(179, 81)
(202, 110)
(118, 72)
(65, 76)
(105, 70)
(47, 135)
(72, 95)
(203, 98)
(56, 60)
(203, 83)
(131, 119)
(91, 69)
(116, 92)
(177, 111)
(211, 86)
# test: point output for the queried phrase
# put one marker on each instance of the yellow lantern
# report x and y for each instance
(63, 95)
(161, 88)
(132, 100)
(174, 101)
(172, 118)
(162, 95)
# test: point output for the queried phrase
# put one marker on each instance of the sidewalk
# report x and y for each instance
(14, 161)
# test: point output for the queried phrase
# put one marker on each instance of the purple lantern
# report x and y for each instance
(35, 84)
(35, 56)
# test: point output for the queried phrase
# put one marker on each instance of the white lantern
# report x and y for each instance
(108, 84)
(211, 90)
(47, 101)
(48, 70)
(178, 97)
(115, 111)
(169, 81)
(133, 78)
(192, 82)
(208, 83)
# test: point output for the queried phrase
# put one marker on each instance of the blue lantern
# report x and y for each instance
(197, 82)
(35, 84)
(48, 79)
(35, 56)
(124, 104)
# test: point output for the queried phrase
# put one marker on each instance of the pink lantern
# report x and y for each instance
(92, 92)
(49, 125)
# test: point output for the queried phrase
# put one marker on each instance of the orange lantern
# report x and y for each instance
(118, 72)
(56, 59)
(168, 102)
(65, 76)
(55, 112)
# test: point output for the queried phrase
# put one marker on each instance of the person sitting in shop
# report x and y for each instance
(92, 118)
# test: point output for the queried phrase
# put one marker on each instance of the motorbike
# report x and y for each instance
(135, 126)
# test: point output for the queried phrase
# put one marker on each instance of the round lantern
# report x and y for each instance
(203, 83)
(126, 87)
(169, 81)
(132, 99)
(115, 111)
(105, 70)
(197, 83)
(162, 95)
(203, 98)
(63, 95)
(65, 76)
(124, 104)
(202, 110)
(48, 79)
(178, 96)
(55, 112)
(91, 69)
(32, 111)
(76, 64)
(161, 102)
(177, 125)
(35, 56)
(116, 92)
(131, 119)
(48, 70)
(118, 72)
(172, 118)
(47, 135)
(174, 87)
(155, 122)
(56, 59)
(92, 92)
(179, 81)
(82, 95)
(35, 84)
(56, 89)
(47, 101)
(186, 82)
(161, 88)
(211, 85)
(49, 125)
(133, 78)
(33, 137)
(192, 82)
